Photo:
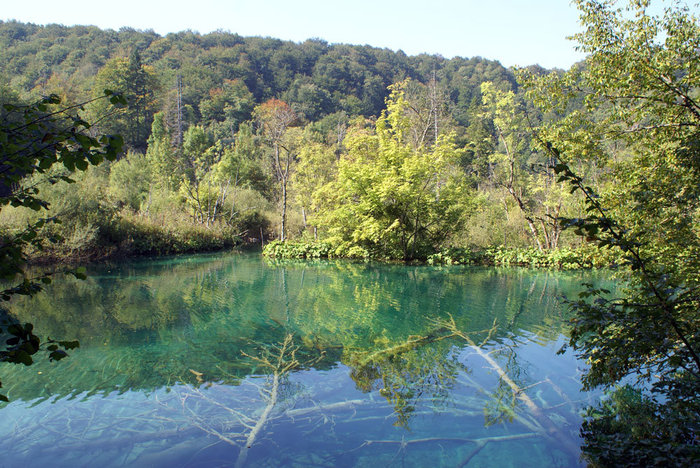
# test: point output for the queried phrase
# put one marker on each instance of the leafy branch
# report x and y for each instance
(33, 138)
(606, 232)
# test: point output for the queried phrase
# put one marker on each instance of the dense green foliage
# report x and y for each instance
(222, 73)
(248, 136)
(281, 250)
(34, 141)
(390, 199)
(625, 430)
(641, 121)
(564, 258)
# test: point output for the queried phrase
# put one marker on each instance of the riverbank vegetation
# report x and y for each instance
(231, 140)
(564, 258)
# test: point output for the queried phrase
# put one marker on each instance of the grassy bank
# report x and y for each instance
(132, 236)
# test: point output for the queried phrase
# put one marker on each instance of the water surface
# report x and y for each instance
(231, 360)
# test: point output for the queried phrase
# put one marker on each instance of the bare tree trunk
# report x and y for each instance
(434, 105)
(178, 134)
(556, 227)
(551, 227)
(547, 240)
(340, 136)
(198, 212)
(514, 194)
(208, 203)
(534, 232)
(528, 218)
(284, 211)
(282, 170)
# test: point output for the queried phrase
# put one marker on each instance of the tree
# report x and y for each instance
(34, 139)
(641, 85)
(307, 99)
(228, 174)
(138, 85)
(525, 174)
(391, 200)
(316, 168)
(232, 103)
(130, 181)
(162, 156)
(274, 117)
(199, 154)
(427, 111)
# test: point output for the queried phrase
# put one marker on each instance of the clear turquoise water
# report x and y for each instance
(171, 369)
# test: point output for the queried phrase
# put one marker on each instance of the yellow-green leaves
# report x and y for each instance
(390, 200)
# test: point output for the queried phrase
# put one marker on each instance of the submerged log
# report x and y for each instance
(542, 419)
(478, 442)
(413, 341)
(252, 436)
(120, 443)
(280, 368)
(296, 412)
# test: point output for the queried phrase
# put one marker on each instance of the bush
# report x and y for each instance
(565, 258)
(278, 249)
(130, 180)
(455, 256)
(137, 235)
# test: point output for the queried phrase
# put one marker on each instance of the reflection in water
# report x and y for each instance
(408, 373)
(232, 361)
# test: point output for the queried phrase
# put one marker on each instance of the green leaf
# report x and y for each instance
(23, 357)
(80, 273)
(81, 164)
(57, 355)
(70, 344)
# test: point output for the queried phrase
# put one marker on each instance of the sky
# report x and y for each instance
(515, 32)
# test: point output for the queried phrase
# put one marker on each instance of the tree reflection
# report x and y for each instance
(145, 325)
(419, 342)
(404, 378)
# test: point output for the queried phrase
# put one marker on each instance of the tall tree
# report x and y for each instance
(642, 112)
(231, 103)
(316, 167)
(390, 199)
(199, 154)
(524, 173)
(427, 109)
(162, 156)
(138, 84)
(274, 118)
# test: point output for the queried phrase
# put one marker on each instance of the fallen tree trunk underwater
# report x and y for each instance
(445, 329)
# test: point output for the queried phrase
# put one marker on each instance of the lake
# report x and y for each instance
(234, 360)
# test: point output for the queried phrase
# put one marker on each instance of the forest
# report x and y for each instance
(225, 137)
(123, 143)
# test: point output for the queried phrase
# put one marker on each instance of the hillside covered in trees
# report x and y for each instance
(230, 138)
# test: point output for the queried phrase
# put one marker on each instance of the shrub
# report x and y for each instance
(137, 235)
(278, 249)
(565, 258)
